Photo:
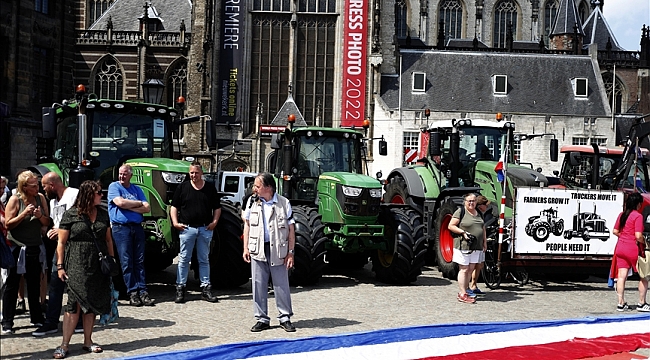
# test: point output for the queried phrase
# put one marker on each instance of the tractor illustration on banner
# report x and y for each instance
(540, 226)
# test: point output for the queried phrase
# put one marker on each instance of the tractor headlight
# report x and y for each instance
(173, 178)
(351, 191)
(376, 193)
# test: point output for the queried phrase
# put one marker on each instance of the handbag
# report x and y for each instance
(107, 263)
(643, 265)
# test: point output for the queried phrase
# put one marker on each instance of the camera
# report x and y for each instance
(471, 239)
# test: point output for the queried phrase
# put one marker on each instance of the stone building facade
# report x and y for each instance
(36, 69)
(520, 39)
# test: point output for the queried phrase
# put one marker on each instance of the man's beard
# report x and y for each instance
(51, 194)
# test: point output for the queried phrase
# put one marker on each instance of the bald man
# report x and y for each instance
(61, 199)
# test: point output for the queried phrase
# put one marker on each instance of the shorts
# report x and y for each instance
(461, 258)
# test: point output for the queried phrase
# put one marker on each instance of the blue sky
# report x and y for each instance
(626, 18)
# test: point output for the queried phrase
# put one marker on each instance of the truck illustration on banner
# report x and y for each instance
(565, 221)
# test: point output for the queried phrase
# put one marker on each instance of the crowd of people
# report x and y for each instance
(80, 230)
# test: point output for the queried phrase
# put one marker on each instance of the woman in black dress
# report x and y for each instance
(78, 264)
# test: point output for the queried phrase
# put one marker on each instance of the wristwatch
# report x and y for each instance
(291, 251)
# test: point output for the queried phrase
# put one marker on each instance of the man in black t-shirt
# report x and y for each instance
(195, 212)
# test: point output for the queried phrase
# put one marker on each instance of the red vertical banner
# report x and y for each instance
(424, 144)
(353, 87)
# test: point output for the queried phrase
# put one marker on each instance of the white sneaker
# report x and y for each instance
(643, 307)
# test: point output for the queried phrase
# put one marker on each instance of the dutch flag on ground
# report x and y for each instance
(499, 168)
(551, 339)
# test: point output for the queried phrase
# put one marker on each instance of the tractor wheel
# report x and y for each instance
(310, 246)
(227, 267)
(406, 247)
(341, 260)
(444, 242)
(490, 271)
(397, 193)
(558, 227)
(541, 231)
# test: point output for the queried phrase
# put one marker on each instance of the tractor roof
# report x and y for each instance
(475, 123)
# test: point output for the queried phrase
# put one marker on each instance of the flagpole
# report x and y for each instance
(503, 202)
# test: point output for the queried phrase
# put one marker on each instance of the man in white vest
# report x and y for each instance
(269, 240)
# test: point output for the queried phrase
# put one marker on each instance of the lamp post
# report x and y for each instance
(152, 90)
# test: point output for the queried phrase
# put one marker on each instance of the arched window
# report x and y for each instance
(108, 80)
(583, 11)
(617, 90)
(96, 8)
(401, 25)
(550, 15)
(176, 82)
(451, 12)
(505, 15)
(177, 86)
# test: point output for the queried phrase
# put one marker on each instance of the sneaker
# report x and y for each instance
(465, 299)
(180, 294)
(288, 326)
(259, 326)
(135, 299)
(46, 329)
(79, 329)
(478, 292)
(623, 307)
(146, 300)
(21, 307)
(643, 307)
(470, 293)
(7, 330)
(36, 324)
(207, 294)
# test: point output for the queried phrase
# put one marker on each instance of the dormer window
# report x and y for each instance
(500, 84)
(579, 87)
(419, 81)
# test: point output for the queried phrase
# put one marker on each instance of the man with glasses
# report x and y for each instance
(61, 199)
(126, 204)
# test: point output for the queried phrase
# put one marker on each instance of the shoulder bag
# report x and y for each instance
(643, 262)
(107, 263)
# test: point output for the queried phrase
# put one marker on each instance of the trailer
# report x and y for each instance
(561, 252)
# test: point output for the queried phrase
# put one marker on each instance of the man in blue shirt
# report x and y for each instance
(126, 204)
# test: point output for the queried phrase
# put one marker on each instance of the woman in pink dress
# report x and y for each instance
(629, 229)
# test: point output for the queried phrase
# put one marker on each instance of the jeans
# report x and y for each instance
(129, 240)
(188, 237)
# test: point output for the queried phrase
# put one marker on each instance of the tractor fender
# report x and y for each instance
(412, 179)
(42, 170)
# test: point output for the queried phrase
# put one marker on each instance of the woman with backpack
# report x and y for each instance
(469, 243)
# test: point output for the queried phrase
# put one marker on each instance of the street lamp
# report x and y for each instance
(153, 91)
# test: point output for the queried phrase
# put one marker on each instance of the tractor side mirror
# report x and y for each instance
(210, 136)
(383, 147)
(554, 150)
(49, 122)
(574, 158)
(276, 141)
(434, 144)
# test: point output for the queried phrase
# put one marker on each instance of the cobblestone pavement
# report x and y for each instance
(341, 303)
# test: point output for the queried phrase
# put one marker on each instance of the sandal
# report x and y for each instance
(94, 348)
(60, 353)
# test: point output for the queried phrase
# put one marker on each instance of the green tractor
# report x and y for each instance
(462, 158)
(93, 137)
(337, 208)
